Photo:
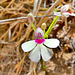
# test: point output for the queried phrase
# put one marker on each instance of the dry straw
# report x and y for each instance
(15, 29)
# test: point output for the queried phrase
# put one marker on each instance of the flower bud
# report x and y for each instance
(64, 8)
(39, 33)
(44, 26)
(30, 18)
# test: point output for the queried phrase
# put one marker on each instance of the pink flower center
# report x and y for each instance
(69, 12)
(39, 41)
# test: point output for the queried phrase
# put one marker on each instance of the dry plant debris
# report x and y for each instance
(13, 61)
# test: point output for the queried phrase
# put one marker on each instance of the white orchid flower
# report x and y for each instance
(64, 12)
(38, 47)
(64, 8)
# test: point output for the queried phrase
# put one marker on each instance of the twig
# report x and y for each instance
(38, 7)
(3, 42)
(66, 24)
(12, 19)
(35, 6)
(6, 20)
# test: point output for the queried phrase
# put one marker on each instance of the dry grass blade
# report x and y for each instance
(7, 7)
(49, 11)
(8, 30)
(37, 4)
(3, 42)
(2, 1)
(18, 66)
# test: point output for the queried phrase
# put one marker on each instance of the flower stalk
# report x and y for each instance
(43, 66)
(51, 26)
(34, 27)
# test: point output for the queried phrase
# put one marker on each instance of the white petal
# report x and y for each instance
(50, 52)
(72, 14)
(35, 54)
(44, 52)
(57, 13)
(66, 14)
(52, 43)
(28, 46)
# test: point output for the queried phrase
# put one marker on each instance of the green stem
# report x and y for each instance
(43, 66)
(50, 27)
(44, 30)
(34, 27)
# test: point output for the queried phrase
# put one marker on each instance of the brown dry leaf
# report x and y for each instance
(41, 73)
(67, 56)
(50, 66)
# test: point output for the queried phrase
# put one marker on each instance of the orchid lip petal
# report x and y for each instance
(52, 43)
(35, 54)
(39, 31)
(28, 46)
(44, 53)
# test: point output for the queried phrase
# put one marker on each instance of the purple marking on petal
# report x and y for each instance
(39, 33)
(39, 41)
(31, 19)
(64, 8)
